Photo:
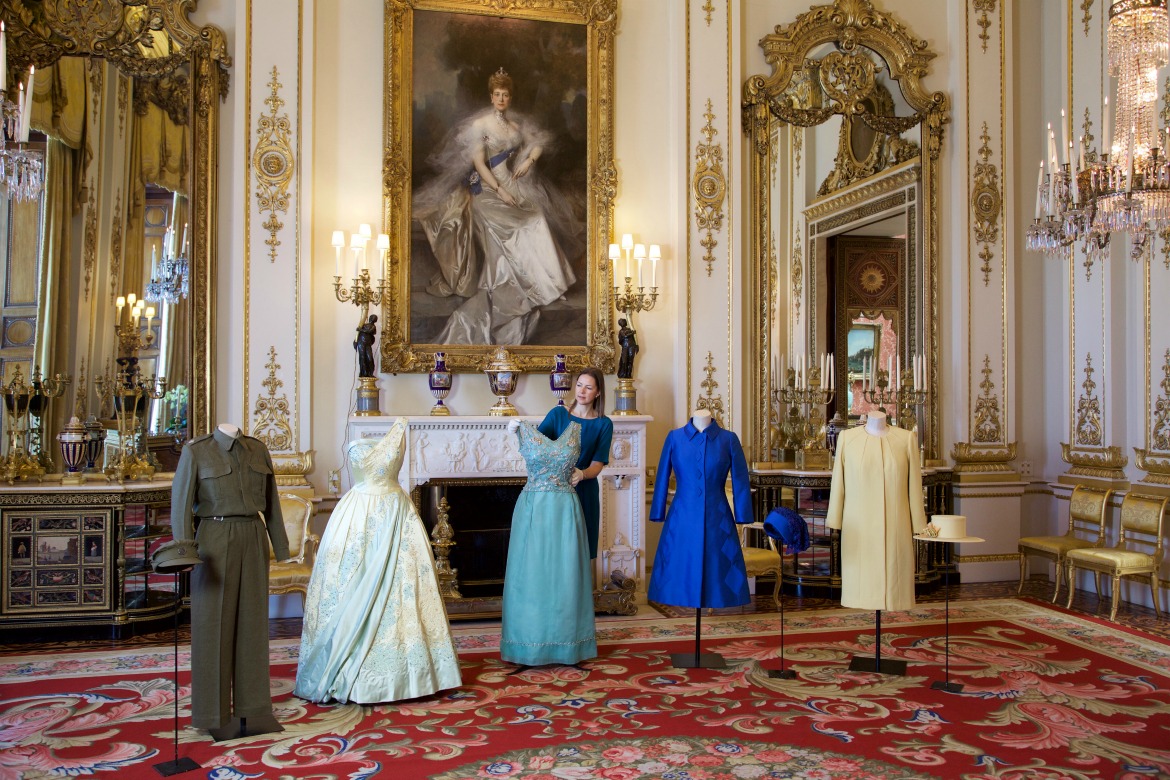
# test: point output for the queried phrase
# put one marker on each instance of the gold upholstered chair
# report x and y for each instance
(1086, 528)
(292, 576)
(1137, 554)
(760, 560)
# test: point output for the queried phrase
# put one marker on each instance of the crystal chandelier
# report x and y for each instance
(169, 276)
(1127, 188)
(21, 169)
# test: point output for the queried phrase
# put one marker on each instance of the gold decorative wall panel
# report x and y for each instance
(709, 188)
(1088, 425)
(986, 204)
(274, 163)
(709, 400)
(984, 7)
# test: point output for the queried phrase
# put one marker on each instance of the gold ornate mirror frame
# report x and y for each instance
(847, 79)
(39, 33)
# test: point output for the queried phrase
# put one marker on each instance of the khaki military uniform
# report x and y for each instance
(225, 497)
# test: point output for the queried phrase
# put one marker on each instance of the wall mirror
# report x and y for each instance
(843, 219)
(126, 97)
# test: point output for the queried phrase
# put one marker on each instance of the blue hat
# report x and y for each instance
(788, 526)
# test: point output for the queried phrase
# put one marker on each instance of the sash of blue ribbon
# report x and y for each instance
(473, 180)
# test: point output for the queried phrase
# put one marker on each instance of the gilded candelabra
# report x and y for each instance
(628, 301)
(362, 295)
(132, 394)
(44, 389)
(911, 396)
(22, 401)
(804, 422)
(878, 392)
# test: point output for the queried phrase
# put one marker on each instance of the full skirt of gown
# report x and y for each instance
(548, 589)
(375, 627)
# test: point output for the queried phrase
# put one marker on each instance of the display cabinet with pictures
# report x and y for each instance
(816, 572)
(80, 557)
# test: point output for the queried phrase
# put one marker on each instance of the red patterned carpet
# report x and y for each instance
(1047, 695)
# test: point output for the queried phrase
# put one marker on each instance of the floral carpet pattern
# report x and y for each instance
(1046, 694)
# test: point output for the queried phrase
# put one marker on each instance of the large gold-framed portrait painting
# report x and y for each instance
(498, 182)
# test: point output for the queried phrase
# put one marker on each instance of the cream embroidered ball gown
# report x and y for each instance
(375, 628)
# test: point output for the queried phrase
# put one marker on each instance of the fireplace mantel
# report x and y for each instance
(468, 448)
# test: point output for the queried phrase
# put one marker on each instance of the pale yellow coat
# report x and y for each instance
(876, 501)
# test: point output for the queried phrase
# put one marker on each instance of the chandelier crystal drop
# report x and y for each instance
(21, 168)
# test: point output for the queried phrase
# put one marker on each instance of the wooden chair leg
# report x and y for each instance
(1154, 595)
(1116, 598)
(1097, 584)
(1059, 573)
(1023, 571)
(1072, 585)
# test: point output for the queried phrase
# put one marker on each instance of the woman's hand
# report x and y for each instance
(513, 425)
(578, 475)
(505, 196)
(523, 168)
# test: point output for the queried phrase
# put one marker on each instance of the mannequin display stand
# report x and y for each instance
(781, 673)
(246, 727)
(177, 766)
(876, 664)
(697, 660)
(947, 525)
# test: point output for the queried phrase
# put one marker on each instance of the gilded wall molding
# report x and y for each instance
(986, 204)
(1089, 138)
(709, 187)
(987, 424)
(890, 182)
(89, 238)
(271, 411)
(711, 402)
(1107, 463)
(291, 468)
(1160, 433)
(1086, 8)
(984, 7)
(274, 163)
(116, 249)
(123, 102)
(1088, 424)
(708, 10)
(973, 459)
(94, 67)
(1157, 469)
(797, 277)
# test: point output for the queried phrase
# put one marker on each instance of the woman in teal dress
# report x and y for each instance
(588, 411)
(548, 591)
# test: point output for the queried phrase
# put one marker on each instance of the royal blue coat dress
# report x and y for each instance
(699, 562)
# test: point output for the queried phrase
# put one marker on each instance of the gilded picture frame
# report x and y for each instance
(439, 57)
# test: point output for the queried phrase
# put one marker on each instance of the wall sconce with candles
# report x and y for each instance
(362, 295)
(627, 301)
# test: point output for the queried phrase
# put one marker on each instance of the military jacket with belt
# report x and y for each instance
(699, 562)
(222, 476)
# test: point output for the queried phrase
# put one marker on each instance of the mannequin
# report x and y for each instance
(876, 425)
(701, 419)
(876, 502)
(224, 497)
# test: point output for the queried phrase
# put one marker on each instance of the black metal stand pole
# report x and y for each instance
(947, 685)
(876, 664)
(781, 673)
(186, 763)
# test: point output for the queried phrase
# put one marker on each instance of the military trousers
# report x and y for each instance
(229, 622)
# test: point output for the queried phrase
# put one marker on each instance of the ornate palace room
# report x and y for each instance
(615, 389)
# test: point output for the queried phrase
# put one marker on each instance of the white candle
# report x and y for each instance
(355, 245)
(1081, 153)
(153, 262)
(783, 376)
(1105, 123)
(1064, 135)
(1039, 186)
(28, 104)
(120, 303)
(383, 248)
(655, 253)
(898, 370)
(889, 363)
(3, 59)
(1051, 143)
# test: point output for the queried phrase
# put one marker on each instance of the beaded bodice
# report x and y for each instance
(379, 462)
(550, 463)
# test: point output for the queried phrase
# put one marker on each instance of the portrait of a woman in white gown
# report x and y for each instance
(500, 233)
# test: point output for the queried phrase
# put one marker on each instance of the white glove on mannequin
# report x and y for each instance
(513, 425)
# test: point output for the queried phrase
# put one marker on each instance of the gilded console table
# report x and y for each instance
(817, 571)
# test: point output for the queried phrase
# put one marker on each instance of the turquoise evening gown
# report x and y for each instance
(548, 590)
(375, 627)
